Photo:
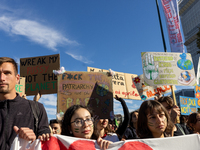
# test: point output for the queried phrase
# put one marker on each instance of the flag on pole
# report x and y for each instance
(171, 12)
(60, 142)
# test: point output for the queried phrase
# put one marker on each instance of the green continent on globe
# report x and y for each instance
(187, 64)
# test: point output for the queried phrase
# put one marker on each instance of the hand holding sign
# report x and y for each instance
(175, 112)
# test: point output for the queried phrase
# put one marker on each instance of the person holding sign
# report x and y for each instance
(16, 116)
(194, 122)
(153, 121)
(103, 127)
(78, 122)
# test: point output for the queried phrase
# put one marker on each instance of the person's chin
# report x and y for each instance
(105, 125)
(87, 136)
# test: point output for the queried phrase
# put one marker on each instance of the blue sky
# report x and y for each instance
(96, 33)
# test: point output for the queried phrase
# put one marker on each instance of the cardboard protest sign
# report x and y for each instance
(86, 88)
(123, 85)
(197, 95)
(188, 105)
(147, 92)
(20, 87)
(161, 68)
(39, 73)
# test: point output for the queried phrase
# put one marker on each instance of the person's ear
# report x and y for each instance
(17, 78)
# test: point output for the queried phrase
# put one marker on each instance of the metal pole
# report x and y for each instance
(161, 28)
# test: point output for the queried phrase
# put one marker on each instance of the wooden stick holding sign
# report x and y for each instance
(175, 103)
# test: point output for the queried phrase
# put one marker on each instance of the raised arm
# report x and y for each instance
(122, 128)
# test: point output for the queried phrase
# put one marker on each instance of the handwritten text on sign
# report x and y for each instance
(20, 87)
(39, 73)
(161, 68)
(123, 85)
(86, 88)
(188, 105)
(147, 92)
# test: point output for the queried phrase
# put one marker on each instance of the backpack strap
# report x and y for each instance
(179, 126)
(36, 112)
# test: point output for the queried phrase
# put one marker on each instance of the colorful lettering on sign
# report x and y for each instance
(167, 76)
(37, 69)
(130, 93)
(183, 100)
(159, 89)
(188, 105)
(198, 102)
(76, 86)
(187, 110)
(164, 64)
(18, 88)
(41, 86)
(163, 58)
(117, 92)
(79, 101)
(169, 82)
(71, 76)
(188, 101)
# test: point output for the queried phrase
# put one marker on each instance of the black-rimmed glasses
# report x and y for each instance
(80, 122)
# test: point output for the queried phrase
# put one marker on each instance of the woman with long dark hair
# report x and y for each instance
(153, 121)
(78, 122)
(130, 132)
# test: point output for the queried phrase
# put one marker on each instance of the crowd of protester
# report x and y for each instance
(154, 119)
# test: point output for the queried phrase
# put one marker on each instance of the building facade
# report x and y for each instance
(183, 92)
(189, 11)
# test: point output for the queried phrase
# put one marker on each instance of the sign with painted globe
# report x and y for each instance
(161, 68)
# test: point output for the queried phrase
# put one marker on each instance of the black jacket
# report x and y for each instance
(122, 128)
(17, 112)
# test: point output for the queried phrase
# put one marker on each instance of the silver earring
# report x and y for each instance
(70, 132)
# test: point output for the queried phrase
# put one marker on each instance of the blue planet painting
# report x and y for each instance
(184, 63)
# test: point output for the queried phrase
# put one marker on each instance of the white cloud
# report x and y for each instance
(51, 111)
(35, 32)
(79, 58)
(129, 101)
(49, 100)
(132, 105)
